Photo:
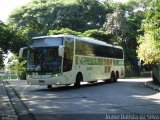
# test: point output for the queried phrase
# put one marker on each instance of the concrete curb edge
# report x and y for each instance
(151, 85)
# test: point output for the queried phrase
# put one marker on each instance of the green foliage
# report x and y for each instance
(116, 21)
(65, 31)
(124, 23)
(4, 41)
(148, 50)
(1, 60)
(20, 69)
(4, 37)
(10, 40)
(99, 35)
(40, 16)
(18, 66)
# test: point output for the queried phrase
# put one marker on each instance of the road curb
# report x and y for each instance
(7, 111)
(151, 85)
(18, 105)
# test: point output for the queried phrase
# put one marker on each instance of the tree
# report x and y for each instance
(18, 66)
(99, 35)
(94, 13)
(4, 41)
(116, 24)
(148, 50)
(96, 34)
(1, 59)
(125, 24)
(4, 37)
(149, 44)
(10, 40)
(40, 16)
(66, 31)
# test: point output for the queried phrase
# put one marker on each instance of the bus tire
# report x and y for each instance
(79, 78)
(112, 79)
(49, 86)
(117, 76)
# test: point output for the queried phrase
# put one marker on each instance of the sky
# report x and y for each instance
(6, 7)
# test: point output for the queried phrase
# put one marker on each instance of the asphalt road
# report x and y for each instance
(126, 98)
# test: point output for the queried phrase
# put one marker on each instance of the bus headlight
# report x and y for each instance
(56, 75)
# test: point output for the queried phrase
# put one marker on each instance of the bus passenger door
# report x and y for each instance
(68, 60)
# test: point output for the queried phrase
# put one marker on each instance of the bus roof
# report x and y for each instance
(86, 39)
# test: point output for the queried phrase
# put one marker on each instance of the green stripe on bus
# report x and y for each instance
(118, 62)
(97, 61)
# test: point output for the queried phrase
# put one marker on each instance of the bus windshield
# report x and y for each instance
(44, 60)
(43, 55)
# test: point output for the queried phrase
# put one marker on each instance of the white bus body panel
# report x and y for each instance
(63, 79)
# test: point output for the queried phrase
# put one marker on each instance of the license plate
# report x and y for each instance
(41, 81)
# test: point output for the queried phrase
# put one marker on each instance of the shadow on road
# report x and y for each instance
(71, 87)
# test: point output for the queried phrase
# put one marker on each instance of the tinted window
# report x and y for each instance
(90, 49)
(84, 48)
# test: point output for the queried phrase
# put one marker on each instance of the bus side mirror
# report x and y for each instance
(61, 51)
(23, 53)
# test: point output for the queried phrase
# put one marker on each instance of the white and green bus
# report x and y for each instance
(68, 59)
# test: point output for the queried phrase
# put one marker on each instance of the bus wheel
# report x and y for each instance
(112, 79)
(49, 86)
(79, 78)
(117, 76)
